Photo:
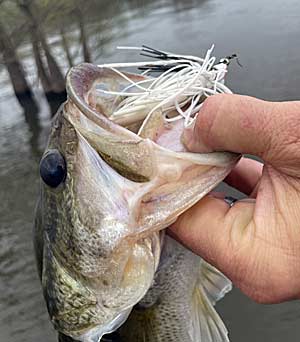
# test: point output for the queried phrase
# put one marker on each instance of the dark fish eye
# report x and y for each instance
(53, 168)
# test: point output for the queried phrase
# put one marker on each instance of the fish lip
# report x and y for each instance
(80, 80)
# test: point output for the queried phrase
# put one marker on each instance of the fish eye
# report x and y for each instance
(53, 168)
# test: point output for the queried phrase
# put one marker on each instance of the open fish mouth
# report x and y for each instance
(129, 177)
(155, 160)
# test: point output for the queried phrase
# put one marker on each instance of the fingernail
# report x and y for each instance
(192, 141)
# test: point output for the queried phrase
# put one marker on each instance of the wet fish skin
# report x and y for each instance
(75, 261)
(97, 237)
(179, 305)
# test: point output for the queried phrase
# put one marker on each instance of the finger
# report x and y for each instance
(247, 125)
(218, 237)
(261, 261)
(245, 176)
(223, 236)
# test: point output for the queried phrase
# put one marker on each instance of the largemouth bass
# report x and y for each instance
(106, 195)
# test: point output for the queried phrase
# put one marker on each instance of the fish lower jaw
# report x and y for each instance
(95, 334)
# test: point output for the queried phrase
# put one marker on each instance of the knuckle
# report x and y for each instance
(290, 129)
(285, 143)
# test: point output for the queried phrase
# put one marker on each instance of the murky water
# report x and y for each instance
(265, 34)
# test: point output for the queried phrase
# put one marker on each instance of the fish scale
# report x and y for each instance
(97, 235)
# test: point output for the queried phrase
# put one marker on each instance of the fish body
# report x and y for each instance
(106, 194)
(179, 305)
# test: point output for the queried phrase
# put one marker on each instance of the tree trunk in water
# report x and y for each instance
(16, 72)
(56, 76)
(41, 70)
(66, 47)
(84, 39)
(52, 79)
(54, 99)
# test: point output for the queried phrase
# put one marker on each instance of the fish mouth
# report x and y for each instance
(143, 186)
(152, 176)
(150, 172)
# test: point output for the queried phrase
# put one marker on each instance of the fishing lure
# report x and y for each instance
(180, 88)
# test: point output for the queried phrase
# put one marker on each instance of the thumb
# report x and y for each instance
(247, 125)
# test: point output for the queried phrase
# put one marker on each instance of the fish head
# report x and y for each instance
(106, 193)
(92, 271)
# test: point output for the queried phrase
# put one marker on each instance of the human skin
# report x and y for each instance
(256, 242)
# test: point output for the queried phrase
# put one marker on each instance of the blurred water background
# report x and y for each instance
(264, 34)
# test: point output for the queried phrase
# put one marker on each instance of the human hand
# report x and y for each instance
(256, 242)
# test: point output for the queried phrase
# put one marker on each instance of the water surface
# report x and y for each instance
(265, 35)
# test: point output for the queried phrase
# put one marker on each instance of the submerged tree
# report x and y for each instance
(49, 72)
(16, 72)
(55, 75)
(66, 47)
(38, 20)
(83, 36)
